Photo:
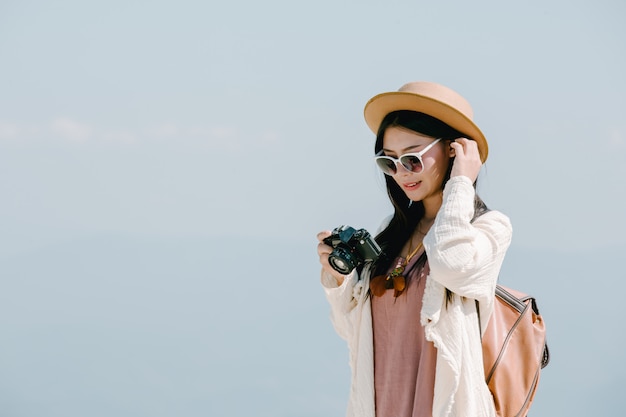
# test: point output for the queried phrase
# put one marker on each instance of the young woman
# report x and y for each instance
(410, 317)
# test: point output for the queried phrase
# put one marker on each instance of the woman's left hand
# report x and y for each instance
(467, 159)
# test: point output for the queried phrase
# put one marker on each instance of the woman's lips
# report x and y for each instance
(411, 185)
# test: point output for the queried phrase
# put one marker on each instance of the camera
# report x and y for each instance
(351, 248)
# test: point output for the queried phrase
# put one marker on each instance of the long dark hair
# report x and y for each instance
(407, 214)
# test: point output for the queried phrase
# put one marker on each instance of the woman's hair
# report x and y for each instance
(407, 213)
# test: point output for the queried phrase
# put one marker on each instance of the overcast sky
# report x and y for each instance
(154, 139)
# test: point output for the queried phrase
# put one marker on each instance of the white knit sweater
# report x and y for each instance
(463, 257)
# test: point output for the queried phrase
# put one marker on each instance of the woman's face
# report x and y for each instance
(429, 182)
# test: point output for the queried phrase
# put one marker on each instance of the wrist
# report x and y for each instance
(330, 280)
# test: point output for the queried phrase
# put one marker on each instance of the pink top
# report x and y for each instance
(404, 361)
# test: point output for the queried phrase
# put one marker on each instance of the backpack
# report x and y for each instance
(514, 351)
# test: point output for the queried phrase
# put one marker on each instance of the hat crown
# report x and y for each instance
(440, 93)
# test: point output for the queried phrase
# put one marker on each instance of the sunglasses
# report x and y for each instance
(412, 162)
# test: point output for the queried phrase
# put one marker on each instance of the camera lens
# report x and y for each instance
(342, 261)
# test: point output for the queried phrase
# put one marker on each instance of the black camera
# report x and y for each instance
(351, 248)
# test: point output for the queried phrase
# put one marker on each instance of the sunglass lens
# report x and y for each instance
(386, 165)
(411, 163)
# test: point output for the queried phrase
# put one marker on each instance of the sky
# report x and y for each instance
(165, 167)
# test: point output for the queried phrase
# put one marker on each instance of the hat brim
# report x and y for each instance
(381, 105)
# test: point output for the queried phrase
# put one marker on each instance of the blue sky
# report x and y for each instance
(146, 104)
(156, 138)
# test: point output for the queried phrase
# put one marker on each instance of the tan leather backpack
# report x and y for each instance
(514, 351)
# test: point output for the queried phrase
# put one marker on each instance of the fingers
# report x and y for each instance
(323, 250)
(467, 160)
(323, 235)
(465, 147)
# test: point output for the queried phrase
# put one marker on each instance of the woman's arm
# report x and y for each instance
(466, 256)
(342, 299)
(342, 291)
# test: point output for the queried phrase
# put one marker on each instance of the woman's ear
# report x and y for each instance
(451, 152)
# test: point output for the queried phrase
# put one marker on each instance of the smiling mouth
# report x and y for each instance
(411, 185)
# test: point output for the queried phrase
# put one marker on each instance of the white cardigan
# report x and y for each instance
(463, 257)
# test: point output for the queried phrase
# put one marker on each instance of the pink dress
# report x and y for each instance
(404, 361)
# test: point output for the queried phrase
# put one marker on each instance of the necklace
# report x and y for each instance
(395, 279)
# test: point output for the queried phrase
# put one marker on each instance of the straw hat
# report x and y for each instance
(430, 98)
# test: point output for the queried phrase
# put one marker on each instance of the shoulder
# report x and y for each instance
(496, 222)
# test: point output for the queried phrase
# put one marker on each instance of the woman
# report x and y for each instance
(410, 317)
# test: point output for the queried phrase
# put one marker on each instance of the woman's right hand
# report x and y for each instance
(323, 250)
(467, 159)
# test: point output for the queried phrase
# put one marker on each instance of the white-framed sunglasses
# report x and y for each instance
(412, 162)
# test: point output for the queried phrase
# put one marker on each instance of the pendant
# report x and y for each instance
(395, 280)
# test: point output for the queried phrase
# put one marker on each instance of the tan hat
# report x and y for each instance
(433, 99)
